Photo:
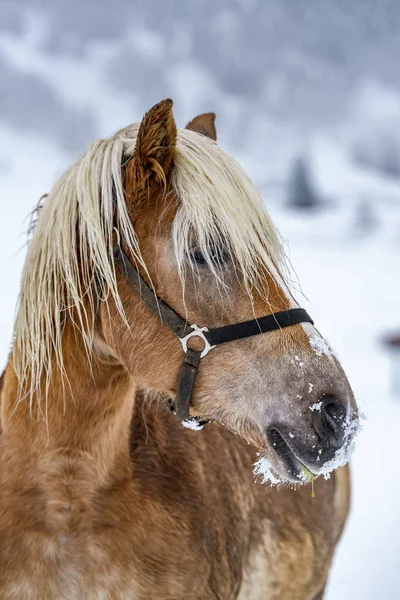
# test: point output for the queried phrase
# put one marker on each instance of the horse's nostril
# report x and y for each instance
(329, 421)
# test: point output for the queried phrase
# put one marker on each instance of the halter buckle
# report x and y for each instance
(197, 332)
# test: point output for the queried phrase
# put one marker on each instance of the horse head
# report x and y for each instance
(197, 232)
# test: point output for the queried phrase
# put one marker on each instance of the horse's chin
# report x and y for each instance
(285, 461)
(291, 469)
(278, 463)
(281, 463)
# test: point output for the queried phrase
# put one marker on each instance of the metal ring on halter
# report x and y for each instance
(197, 332)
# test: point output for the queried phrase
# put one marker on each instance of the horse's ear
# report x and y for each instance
(204, 124)
(155, 145)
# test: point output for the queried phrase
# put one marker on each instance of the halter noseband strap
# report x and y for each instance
(210, 337)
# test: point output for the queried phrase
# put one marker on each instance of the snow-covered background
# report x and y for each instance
(307, 96)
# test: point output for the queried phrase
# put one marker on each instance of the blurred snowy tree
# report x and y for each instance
(301, 192)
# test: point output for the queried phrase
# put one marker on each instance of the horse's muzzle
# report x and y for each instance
(317, 442)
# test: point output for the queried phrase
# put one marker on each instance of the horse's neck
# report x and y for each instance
(85, 414)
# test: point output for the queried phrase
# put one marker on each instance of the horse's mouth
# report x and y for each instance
(295, 470)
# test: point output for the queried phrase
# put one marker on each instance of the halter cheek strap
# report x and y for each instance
(210, 337)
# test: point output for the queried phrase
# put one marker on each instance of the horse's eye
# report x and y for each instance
(198, 257)
(218, 256)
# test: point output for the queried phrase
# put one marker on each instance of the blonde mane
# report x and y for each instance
(72, 245)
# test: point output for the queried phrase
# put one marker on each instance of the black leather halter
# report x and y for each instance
(210, 337)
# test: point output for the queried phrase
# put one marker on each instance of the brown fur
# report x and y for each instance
(210, 523)
(112, 498)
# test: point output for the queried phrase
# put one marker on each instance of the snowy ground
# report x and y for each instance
(351, 278)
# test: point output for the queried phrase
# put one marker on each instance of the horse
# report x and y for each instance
(155, 295)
